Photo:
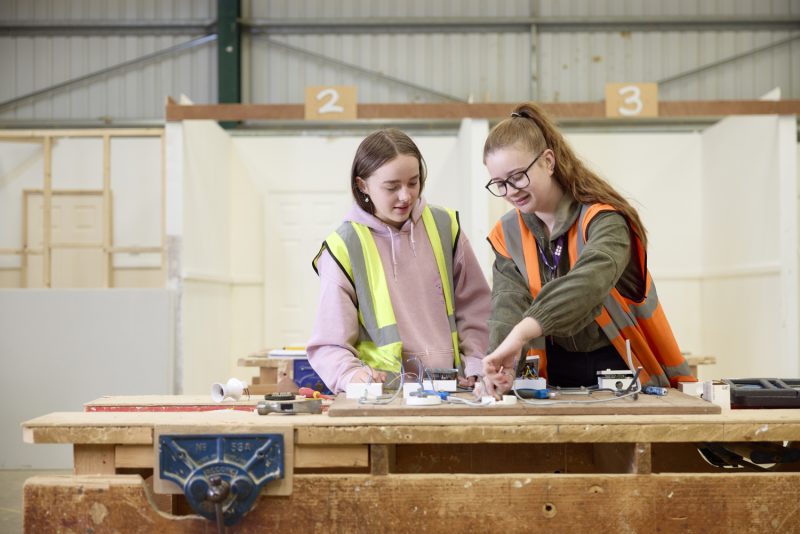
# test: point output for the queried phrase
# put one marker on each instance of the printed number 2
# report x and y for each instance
(330, 106)
(633, 97)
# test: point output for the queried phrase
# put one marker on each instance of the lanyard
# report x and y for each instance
(556, 256)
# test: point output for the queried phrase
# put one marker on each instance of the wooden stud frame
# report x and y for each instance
(46, 137)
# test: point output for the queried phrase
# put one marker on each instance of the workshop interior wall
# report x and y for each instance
(77, 164)
(660, 175)
(749, 253)
(205, 256)
(61, 348)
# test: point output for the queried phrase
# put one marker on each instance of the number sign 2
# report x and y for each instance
(631, 100)
(332, 102)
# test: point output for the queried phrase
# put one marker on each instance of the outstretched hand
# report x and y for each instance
(499, 367)
(363, 376)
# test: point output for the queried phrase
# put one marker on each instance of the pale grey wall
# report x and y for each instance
(62, 348)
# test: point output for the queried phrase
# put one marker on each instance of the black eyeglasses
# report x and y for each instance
(518, 180)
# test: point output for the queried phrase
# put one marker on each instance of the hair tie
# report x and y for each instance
(515, 114)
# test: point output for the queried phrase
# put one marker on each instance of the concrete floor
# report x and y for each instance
(11, 497)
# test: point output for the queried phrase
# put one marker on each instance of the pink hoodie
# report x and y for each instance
(416, 292)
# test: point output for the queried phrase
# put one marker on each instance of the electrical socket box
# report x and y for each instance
(718, 392)
(695, 389)
(440, 385)
(529, 383)
(357, 390)
(617, 379)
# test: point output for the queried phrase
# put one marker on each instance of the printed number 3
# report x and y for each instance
(330, 106)
(633, 98)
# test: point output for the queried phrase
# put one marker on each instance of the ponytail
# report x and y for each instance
(529, 128)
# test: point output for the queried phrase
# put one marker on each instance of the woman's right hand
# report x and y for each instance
(499, 366)
(363, 376)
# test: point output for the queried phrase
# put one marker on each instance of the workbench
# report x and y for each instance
(552, 473)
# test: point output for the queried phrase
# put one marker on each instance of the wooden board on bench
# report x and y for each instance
(674, 403)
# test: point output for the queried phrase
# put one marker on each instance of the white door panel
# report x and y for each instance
(296, 225)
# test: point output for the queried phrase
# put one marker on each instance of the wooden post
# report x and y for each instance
(381, 459)
(107, 229)
(93, 459)
(47, 209)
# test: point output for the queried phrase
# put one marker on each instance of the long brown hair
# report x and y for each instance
(530, 128)
(377, 149)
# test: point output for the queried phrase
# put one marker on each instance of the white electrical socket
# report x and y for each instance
(357, 390)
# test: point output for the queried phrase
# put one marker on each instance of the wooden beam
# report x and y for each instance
(108, 231)
(39, 135)
(306, 456)
(94, 460)
(445, 503)
(456, 111)
(381, 459)
(632, 458)
(47, 210)
(138, 456)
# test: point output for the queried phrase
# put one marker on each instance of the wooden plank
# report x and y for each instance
(260, 362)
(486, 458)
(94, 460)
(632, 458)
(742, 503)
(17, 135)
(168, 403)
(133, 427)
(457, 111)
(675, 402)
(312, 456)
(89, 434)
(47, 211)
(134, 456)
(381, 459)
(108, 230)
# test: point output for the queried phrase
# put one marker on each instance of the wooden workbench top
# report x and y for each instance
(137, 427)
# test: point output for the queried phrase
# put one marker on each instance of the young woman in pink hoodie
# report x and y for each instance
(398, 279)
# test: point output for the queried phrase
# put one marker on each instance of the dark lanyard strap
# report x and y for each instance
(556, 256)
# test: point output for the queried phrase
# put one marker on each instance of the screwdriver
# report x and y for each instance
(312, 394)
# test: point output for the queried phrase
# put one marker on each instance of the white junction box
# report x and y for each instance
(529, 383)
(360, 390)
(617, 379)
(717, 392)
(694, 389)
(440, 385)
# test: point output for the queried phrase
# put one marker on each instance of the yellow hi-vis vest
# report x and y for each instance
(353, 248)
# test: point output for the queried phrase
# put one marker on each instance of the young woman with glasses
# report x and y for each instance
(399, 281)
(570, 282)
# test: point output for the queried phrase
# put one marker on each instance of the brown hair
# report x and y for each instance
(530, 128)
(377, 149)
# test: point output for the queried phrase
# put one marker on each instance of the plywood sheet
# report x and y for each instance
(673, 403)
(169, 403)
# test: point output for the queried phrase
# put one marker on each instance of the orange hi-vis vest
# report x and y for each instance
(653, 346)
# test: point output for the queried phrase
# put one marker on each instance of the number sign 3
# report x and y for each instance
(631, 100)
(336, 102)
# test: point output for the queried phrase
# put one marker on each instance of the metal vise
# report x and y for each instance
(221, 475)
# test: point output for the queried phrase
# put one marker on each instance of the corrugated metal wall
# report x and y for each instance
(418, 50)
(30, 61)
